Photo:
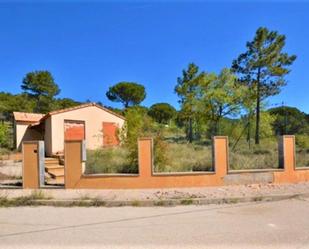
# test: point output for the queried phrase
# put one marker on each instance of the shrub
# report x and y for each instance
(4, 135)
(302, 141)
(139, 124)
(302, 150)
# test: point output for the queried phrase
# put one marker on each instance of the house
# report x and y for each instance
(92, 122)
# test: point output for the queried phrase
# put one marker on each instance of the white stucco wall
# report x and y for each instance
(92, 116)
(23, 133)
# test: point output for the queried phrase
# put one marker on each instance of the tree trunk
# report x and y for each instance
(249, 131)
(218, 121)
(217, 127)
(190, 133)
(258, 103)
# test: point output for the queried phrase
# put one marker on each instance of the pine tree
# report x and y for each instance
(263, 67)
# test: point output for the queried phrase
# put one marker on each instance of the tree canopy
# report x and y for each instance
(162, 112)
(220, 96)
(65, 103)
(40, 86)
(19, 102)
(127, 93)
(263, 67)
(289, 120)
(40, 83)
(186, 89)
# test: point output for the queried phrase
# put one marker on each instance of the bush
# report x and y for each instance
(302, 150)
(4, 135)
(302, 141)
(139, 124)
(124, 158)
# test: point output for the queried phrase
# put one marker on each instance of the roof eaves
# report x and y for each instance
(79, 107)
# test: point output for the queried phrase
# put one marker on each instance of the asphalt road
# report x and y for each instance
(282, 224)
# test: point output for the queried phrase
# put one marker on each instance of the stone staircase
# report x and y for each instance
(54, 170)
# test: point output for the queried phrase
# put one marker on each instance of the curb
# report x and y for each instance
(157, 203)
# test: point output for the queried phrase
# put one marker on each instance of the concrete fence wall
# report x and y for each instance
(147, 178)
(290, 174)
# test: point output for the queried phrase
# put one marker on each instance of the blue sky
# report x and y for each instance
(90, 46)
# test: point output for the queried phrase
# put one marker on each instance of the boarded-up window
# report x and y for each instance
(110, 136)
(74, 130)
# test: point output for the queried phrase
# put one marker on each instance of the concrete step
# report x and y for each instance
(55, 181)
(52, 166)
(58, 155)
(51, 161)
(54, 169)
(55, 174)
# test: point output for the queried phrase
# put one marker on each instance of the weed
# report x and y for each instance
(97, 202)
(159, 203)
(136, 203)
(233, 200)
(186, 202)
(258, 198)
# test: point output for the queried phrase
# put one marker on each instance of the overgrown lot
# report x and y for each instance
(180, 156)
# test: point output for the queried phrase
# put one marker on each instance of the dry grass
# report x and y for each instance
(302, 151)
(109, 160)
(302, 157)
(262, 156)
(186, 158)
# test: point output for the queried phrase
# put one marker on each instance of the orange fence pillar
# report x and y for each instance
(73, 163)
(31, 172)
(287, 161)
(287, 156)
(220, 155)
(145, 157)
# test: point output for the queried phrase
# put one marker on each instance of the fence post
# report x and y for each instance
(31, 170)
(220, 155)
(73, 156)
(145, 156)
(41, 155)
(287, 153)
